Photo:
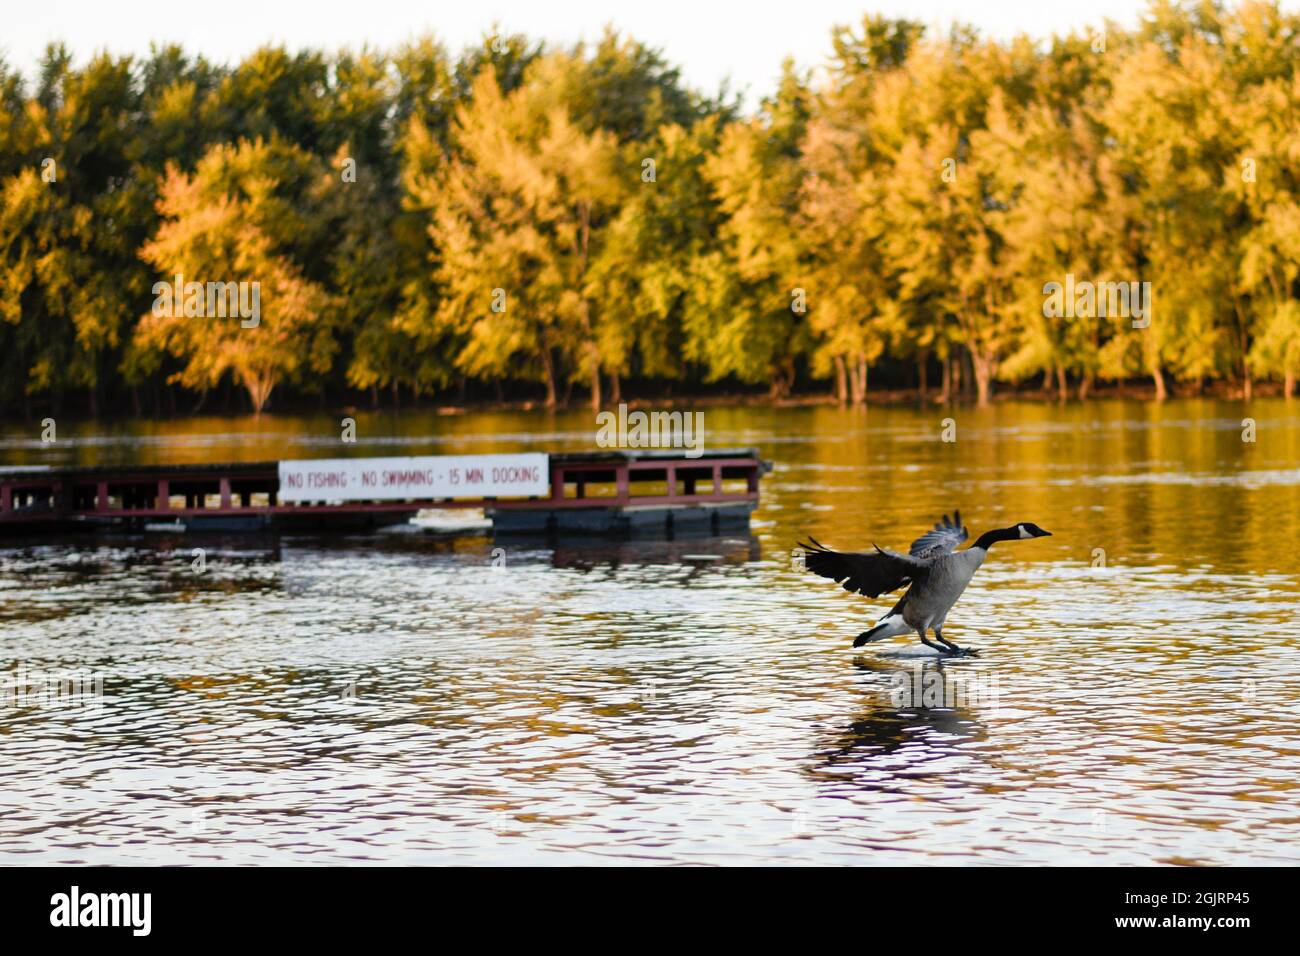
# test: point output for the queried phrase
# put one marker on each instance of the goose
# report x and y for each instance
(936, 571)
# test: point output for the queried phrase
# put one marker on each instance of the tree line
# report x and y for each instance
(518, 219)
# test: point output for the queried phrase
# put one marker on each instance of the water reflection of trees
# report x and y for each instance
(699, 552)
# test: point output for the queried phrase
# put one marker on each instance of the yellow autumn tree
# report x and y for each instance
(217, 229)
(517, 211)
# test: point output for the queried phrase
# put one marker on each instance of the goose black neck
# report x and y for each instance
(997, 534)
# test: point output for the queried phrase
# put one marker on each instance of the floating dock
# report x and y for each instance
(603, 493)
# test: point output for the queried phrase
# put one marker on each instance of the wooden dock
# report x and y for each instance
(607, 492)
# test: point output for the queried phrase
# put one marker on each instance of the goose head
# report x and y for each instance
(1027, 529)
(1017, 532)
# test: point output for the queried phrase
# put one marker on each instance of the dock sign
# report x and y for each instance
(416, 478)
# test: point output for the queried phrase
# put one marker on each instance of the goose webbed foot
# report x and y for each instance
(954, 650)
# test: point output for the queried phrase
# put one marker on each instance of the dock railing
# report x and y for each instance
(35, 496)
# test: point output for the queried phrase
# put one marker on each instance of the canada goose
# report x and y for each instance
(936, 572)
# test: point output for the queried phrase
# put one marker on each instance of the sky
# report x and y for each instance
(742, 41)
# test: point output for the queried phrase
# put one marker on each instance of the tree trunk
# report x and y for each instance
(259, 390)
(982, 366)
(858, 379)
(1062, 388)
(1288, 384)
(1085, 386)
(946, 386)
(595, 388)
(1243, 340)
(782, 378)
(548, 364)
(841, 381)
(921, 370)
(615, 389)
(1162, 390)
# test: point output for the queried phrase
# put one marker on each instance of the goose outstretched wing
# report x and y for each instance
(947, 534)
(865, 572)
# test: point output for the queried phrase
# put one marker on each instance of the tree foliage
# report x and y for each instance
(549, 218)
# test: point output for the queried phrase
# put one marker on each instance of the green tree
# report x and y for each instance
(740, 317)
(518, 210)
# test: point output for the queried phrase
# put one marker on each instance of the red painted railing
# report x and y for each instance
(37, 496)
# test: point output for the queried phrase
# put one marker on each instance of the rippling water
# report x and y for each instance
(397, 700)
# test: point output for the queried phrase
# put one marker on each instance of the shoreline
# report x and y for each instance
(885, 398)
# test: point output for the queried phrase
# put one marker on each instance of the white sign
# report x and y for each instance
(400, 479)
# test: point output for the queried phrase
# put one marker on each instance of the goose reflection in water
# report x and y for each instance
(920, 705)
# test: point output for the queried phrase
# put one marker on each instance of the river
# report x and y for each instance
(382, 699)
